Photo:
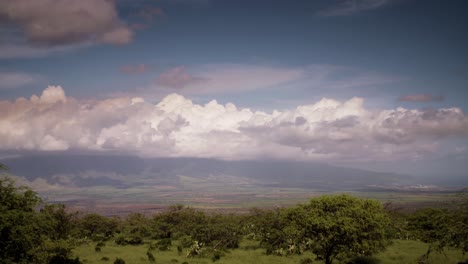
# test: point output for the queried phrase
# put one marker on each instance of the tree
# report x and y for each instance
(97, 227)
(18, 221)
(340, 227)
(441, 227)
(274, 231)
(58, 223)
(458, 230)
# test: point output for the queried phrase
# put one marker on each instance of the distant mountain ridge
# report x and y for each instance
(126, 171)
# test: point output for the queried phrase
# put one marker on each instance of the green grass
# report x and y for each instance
(408, 252)
(399, 252)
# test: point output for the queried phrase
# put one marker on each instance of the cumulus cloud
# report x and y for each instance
(176, 127)
(421, 98)
(53, 23)
(351, 7)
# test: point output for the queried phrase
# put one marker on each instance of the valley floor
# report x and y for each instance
(399, 252)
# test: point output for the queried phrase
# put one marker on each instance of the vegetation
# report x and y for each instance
(327, 229)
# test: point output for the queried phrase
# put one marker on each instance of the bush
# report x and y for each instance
(216, 256)
(364, 260)
(120, 240)
(150, 257)
(135, 240)
(119, 261)
(101, 244)
(179, 250)
(164, 244)
(64, 260)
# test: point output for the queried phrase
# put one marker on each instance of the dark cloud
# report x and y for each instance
(60, 22)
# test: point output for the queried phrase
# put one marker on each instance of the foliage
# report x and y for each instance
(177, 221)
(59, 223)
(275, 232)
(19, 225)
(458, 229)
(56, 251)
(119, 261)
(429, 225)
(164, 244)
(97, 227)
(150, 257)
(218, 231)
(398, 226)
(136, 224)
(441, 228)
(364, 260)
(123, 240)
(340, 227)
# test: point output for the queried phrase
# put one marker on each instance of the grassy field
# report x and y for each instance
(399, 252)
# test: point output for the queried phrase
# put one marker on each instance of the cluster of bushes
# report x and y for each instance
(340, 227)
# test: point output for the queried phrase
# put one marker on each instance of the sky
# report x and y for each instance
(374, 84)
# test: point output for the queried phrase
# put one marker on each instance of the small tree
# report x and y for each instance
(340, 227)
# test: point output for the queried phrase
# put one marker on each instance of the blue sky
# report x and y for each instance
(261, 55)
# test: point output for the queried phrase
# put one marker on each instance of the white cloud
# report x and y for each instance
(328, 130)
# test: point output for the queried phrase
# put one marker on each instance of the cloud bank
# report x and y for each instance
(176, 127)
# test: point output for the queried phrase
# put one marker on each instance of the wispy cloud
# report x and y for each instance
(135, 69)
(149, 14)
(351, 7)
(220, 78)
(24, 51)
(421, 98)
(178, 78)
(12, 80)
